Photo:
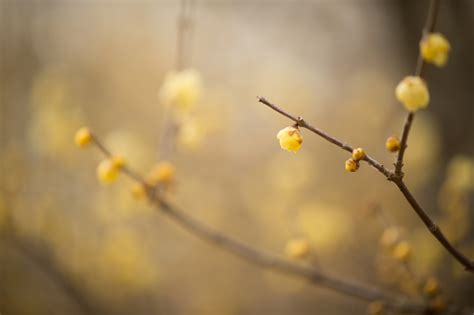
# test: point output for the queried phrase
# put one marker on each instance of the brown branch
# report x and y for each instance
(429, 27)
(343, 145)
(390, 175)
(264, 260)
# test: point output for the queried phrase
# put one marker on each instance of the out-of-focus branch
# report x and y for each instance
(46, 264)
(265, 260)
(429, 27)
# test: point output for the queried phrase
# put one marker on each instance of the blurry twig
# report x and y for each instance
(265, 260)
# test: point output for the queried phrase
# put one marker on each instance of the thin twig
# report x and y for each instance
(264, 260)
(343, 145)
(429, 27)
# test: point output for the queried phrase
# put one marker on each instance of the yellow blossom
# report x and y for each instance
(435, 49)
(389, 236)
(163, 173)
(413, 93)
(392, 144)
(83, 137)
(118, 161)
(181, 89)
(297, 248)
(290, 139)
(107, 171)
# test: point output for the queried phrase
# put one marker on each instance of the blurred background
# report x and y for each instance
(70, 245)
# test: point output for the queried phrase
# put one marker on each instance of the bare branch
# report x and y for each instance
(264, 260)
(429, 27)
(343, 145)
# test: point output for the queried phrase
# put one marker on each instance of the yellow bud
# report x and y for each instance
(139, 191)
(376, 308)
(290, 139)
(163, 173)
(435, 49)
(118, 161)
(402, 251)
(392, 144)
(413, 93)
(431, 286)
(83, 137)
(297, 248)
(389, 237)
(352, 165)
(358, 154)
(107, 172)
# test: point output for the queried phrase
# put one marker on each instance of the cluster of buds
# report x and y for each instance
(109, 169)
(352, 164)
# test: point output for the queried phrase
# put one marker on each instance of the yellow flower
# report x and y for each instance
(107, 171)
(402, 251)
(181, 89)
(163, 173)
(392, 144)
(358, 154)
(83, 137)
(413, 93)
(435, 49)
(290, 139)
(352, 165)
(297, 248)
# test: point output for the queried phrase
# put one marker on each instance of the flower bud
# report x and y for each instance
(402, 251)
(358, 154)
(431, 286)
(352, 165)
(392, 144)
(163, 172)
(290, 139)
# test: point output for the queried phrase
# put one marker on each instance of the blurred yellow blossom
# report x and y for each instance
(163, 172)
(402, 251)
(107, 171)
(435, 48)
(297, 248)
(181, 89)
(413, 93)
(290, 139)
(83, 137)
